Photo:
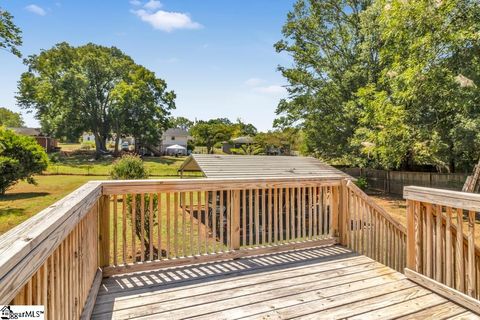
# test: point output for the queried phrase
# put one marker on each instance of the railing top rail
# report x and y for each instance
(456, 199)
(207, 184)
(31, 242)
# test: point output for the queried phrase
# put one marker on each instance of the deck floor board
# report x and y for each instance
(327, 282)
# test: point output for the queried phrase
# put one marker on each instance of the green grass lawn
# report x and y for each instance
(25, 200)
(85, 164)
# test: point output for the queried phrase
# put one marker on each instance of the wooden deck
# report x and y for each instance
(328, 282)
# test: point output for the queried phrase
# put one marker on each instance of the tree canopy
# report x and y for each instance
(387, 84)
(94, 88)
(9, 118)
(10, 34)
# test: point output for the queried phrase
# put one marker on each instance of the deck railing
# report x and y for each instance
(58, 257)
(441, 241)
(181, 221)
(371, 231)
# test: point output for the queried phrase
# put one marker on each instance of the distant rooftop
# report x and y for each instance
(243, 166)
(27, 131)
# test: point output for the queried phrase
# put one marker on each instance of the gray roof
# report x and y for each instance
(176, 132)
(242, 166)
(27, 131)
(245, 139)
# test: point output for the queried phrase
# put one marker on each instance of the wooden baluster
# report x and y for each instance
(257, 218)
(199, 222)
(175, 224)
(124, 229)
(459, 262)
(471, 255)
(207, 225)
(150, 227)
(310, 213)
(287, 214)
(448, 248)
(438, 244)
(429, 257)
(159, 225)
(167, 200)
(134, 226)
(270, 214)
(299, 212)
(104, 207)
(222, 229)
(264, 217)
(275, 215)
(304, 213)
(250, 217)
(244, 217)
(214, 220)
(292, 213)
(280, 214)
(230, 211)
(115, 230)
(315, 212)
(184, 224)
(234, 210)
(142, 226)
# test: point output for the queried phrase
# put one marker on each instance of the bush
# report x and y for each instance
(129, 167)
(362, 183)
(20, 158)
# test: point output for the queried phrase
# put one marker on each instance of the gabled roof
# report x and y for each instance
(176, 132)
(245, 139)
(243, 166)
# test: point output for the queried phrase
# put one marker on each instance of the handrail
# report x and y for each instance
(370, 230)
(441, 238)
(26, 247)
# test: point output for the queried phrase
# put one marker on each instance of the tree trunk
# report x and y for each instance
(117, 141)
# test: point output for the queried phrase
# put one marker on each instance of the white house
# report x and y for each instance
(174, 136)
(88, 136)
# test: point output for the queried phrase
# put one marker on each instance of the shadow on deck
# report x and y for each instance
(329, 282)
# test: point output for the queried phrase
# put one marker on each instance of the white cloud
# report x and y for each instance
(152, 5)
(253, 82)
(273, 89)
(167, 21)
(135, 2)
(36, 9)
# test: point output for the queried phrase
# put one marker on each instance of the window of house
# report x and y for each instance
(173, 138)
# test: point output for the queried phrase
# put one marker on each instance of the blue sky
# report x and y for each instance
(217, 55)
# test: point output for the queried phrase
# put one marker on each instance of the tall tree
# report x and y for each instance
(10, 34)
(181, 123)
(9, 118)
(325, 42)
(93, 88)
(209, 133)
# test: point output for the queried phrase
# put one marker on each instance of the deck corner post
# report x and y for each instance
(343, 207)
(235, 221)
(411, 236)
(104, 230)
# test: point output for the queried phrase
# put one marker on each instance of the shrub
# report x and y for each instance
(20, 158)
(362, 183)
(130, 167)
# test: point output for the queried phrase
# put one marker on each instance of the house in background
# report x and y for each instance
(48, 143)
(172, 137)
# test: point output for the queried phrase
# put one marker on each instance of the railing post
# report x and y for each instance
(412, 224)
(104, 230)
(343, 207)
(235, 220)
(335, 211)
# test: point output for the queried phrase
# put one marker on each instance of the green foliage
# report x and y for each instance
(181, 123)
(20, 158)
(209, 133)
(10, 34)
(129, 167)
(87, 145)
(97, 89)
(387, 84)
(9, 118)
(362, 183)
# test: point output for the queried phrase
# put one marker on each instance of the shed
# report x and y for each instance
(244, 166)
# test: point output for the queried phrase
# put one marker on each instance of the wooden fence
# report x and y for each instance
(394, 181)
